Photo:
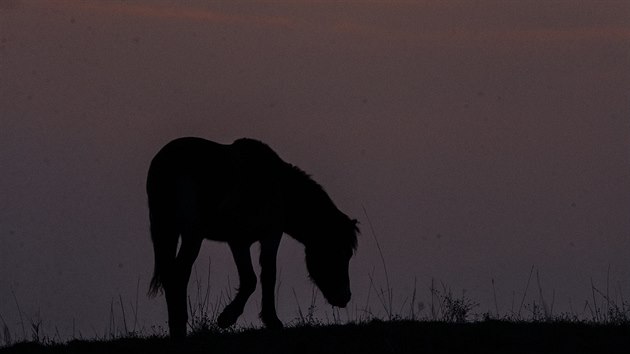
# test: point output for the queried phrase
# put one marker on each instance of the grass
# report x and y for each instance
(396, 336)
(447, 323)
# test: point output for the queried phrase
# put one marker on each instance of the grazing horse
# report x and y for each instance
(241, 193)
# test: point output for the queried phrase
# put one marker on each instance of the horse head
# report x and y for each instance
(328, 260)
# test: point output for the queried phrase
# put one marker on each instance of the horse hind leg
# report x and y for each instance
(175, 287)
(247, 285)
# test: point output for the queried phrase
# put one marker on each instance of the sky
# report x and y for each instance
(473, 140)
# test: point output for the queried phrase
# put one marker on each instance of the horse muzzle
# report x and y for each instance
(340, 300)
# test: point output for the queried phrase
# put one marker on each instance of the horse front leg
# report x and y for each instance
(175, 287)
(268, 255)
(247, 285)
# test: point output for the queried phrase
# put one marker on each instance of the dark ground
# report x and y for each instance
(377, 337)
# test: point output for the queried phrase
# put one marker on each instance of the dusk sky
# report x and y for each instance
(481, 137)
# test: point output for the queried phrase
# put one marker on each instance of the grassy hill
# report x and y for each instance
(375, 337)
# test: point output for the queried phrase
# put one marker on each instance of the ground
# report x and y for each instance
(376, 337)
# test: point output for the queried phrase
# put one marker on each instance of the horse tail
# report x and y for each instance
(164, 250)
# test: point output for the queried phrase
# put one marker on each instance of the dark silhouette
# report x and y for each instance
(239, 194)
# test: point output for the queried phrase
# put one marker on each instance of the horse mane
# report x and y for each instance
(319, 202)
(303, 192)
(305, 179)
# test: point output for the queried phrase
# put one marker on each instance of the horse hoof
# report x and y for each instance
(226, 319)
(178, 335)
(274, 324)
(271, 320)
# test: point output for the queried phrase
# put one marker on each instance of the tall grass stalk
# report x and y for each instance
(496, 304)
(17, 305)
(595, 310)
(297, 302)
(531, 271)
(203, 313)
(124, 317)
(6, 332)
(387, 296)
(412, 305)
(546, 311)
(135, 309)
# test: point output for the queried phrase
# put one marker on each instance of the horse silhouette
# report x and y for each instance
(241, 193)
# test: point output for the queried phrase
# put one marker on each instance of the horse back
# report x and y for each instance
(203, 186)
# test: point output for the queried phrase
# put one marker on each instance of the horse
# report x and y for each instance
(241, 193)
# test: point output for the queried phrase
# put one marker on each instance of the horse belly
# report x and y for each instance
(224, 214)
(247, 222)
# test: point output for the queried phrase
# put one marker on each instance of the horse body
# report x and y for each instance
(199, 186)
(240, 194)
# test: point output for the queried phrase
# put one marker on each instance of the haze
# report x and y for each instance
(481, 138)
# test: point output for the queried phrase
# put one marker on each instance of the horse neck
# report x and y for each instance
(308, 215)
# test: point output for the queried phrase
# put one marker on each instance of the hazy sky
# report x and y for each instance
(482, 137)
